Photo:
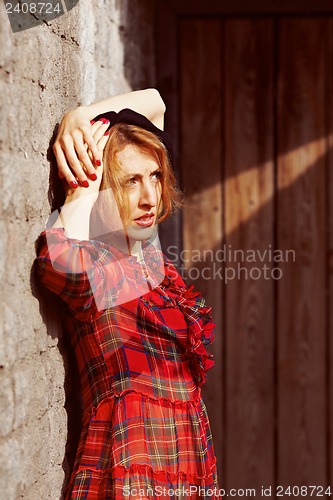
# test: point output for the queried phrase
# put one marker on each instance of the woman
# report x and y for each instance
(138, 332)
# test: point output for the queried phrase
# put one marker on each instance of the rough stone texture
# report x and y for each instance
(98, 49)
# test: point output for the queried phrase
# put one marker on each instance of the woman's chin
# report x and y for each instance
(139, 233)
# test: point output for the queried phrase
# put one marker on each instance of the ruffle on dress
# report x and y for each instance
(198, 317)
(97, 284)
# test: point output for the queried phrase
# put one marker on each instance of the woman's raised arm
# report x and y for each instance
(75, 213)
(147, 102)
(74, 140)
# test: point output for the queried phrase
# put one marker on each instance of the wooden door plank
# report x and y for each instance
(301, 227)
(167, 48)
(330, 247)
(248, 194)
(200, 111)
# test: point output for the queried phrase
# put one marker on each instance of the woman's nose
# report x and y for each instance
(148, 194)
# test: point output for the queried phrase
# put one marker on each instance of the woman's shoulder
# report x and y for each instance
(57, 236)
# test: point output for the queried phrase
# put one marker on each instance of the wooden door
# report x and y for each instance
(255, 161)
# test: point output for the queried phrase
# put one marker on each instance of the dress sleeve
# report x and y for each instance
(83, 274)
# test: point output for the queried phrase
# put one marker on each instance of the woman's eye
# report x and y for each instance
(131, 182)
(157, 175)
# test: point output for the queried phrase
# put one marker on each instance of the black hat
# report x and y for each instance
(133, 118)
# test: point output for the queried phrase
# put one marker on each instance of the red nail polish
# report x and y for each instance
(85, 184)
(93, 177)
(92, 122)
(107, 132)
(98, 163)
(105, 121)
(74, 184)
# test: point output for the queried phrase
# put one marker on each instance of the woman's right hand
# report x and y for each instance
(75, 147)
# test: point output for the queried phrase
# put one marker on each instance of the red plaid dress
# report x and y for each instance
(142, 358)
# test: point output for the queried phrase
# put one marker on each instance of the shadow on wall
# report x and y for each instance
(53, 312)
(136, 32)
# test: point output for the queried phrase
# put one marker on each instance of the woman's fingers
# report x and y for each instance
(64, 171)
(74, 164)
(102, 142)
(98, 131)
(91, 137)
(68, 162)
(100, 135)
(86, 155)
(82, 155)
(77, 152)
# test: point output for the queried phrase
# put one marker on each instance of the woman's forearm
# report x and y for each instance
(75, 216)
(148, 102)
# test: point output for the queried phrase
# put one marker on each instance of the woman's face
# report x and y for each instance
(142, 184)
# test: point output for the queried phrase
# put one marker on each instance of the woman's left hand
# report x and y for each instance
(75, 147)
(100, 137)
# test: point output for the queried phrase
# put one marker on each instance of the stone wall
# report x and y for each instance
(98, 49)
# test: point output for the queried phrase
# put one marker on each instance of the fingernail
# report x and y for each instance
(93, 177)
(98, 163)
(74, 184)
(107, 132)
(85, 184)
(105, 120)
(92, 122)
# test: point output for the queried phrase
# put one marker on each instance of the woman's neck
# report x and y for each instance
(135, 248)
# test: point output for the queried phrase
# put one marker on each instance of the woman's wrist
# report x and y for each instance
(85, 196)
(74, 215)
(87, 111)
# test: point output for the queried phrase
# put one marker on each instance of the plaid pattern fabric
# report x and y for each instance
(141, 364)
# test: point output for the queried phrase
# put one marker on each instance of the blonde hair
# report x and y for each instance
(120, 136)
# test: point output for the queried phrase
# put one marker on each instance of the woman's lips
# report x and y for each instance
(145, 220)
